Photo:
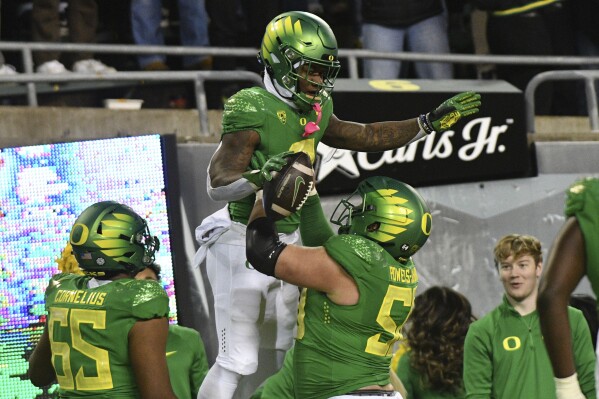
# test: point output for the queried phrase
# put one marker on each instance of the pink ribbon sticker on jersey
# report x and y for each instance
(312, 127)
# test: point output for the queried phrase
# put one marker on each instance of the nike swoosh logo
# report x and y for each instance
(298, 182)
(170, 353)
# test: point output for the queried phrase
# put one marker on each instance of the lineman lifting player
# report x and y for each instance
(294, 112)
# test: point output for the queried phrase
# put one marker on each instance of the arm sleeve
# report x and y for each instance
(314, 227)
(478, 367)
(403, 372)
(231, 192)
(584, 356)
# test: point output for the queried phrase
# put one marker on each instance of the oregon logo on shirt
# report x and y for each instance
(511, 343)
(282, 116)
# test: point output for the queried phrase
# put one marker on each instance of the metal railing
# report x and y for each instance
(197, 77)
(352, 56)
(589, 78)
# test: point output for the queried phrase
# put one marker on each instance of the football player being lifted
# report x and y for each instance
(293, 112)
(359, 286)
(106, 332)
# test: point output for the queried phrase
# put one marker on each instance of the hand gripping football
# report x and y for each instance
(289, 187)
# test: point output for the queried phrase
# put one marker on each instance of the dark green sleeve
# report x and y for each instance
(404, 374)
(279, 385)
(584, 355)
(199, 368)
(241, 112)
(149, 300)
(314, 226)
(478, 367)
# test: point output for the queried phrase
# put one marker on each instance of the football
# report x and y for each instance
(289, 187)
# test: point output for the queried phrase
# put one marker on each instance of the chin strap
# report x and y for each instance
(274, 88)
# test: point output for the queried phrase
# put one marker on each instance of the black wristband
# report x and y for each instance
(262, 245)
(424, 124)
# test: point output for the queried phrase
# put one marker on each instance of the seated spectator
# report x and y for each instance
(82, 16)
(146, 16)
(393, 26)
(533, 28)
(433, 363)
(6, 69)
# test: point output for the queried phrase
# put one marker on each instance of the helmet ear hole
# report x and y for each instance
(373, 227)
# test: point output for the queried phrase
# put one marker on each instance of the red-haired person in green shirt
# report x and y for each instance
(504, 352)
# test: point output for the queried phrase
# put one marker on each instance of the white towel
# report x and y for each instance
(208, 231)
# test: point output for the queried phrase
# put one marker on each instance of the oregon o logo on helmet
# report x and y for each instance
(426, 223)
(83, 232)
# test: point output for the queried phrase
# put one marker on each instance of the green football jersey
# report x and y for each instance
(281, 128)
(89, 329)
(186, 360)
(280, 384)
(342, 348)
(583, 203)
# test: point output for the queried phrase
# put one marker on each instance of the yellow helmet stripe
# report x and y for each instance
(271, 36)
(298, 27)
(279, 28)
(287, 25)
(382, 237)
(123, 216)
(118, 243)
(389, 228)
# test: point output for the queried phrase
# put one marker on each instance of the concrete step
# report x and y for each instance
(41, 125)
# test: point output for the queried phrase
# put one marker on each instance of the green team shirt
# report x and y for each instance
(342, 348)
(186, 359)
(89, 329)
(505, 356)
(280, 127)
(280, 384)
(583, 202)
(414, 383)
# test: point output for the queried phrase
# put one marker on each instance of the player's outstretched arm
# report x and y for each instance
(41, 372)
(382, 136)
(450, 112)
(565, 268)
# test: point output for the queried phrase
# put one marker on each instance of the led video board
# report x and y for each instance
(43, 189)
